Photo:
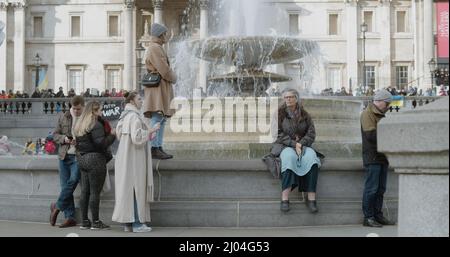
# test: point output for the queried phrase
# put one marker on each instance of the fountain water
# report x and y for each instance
(244, 49)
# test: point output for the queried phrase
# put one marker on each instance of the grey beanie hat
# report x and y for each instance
(158, 29)
(383, 95)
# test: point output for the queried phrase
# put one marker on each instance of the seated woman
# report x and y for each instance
(299, 162)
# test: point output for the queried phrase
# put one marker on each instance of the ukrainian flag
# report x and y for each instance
(43, 80)
(398, 100)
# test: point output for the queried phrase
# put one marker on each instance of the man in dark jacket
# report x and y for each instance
(69, 173)
(375, 163)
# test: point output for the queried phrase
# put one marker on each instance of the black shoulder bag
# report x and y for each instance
(151, 79)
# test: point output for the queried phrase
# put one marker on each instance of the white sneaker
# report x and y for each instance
(142, 229)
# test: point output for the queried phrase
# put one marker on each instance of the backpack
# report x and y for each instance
(50, 147)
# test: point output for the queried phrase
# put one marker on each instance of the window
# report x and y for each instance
(334, 79)
(401, 21)
(368, 19)
(113, 78)
(370, 76)
(38, 26)
(294, 24)
(76, 80)
(401, 76)
(75, 26)
(333, 24)
(113, 25)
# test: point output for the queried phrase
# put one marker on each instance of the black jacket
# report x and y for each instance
(289, 127)
(369, 121)
(96, 140)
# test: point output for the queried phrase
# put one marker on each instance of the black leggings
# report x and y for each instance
(93, 173)
(306, 183)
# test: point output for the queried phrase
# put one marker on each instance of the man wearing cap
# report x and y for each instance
(157, 99)
(375, 163)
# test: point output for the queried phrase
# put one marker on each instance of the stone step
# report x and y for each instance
(210, 213)
(201, 193)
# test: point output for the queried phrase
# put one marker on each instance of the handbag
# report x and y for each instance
(151, 79)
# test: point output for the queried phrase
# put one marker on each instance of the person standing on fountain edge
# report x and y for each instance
(375, 163)
(157, 99)
(69, 174)
(93, 140)
(299, 162)
(133, 167)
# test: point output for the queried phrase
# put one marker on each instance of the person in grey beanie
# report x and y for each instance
(157, 99)
(376, 164)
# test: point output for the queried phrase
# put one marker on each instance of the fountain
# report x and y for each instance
(251, 55)
(245, 54)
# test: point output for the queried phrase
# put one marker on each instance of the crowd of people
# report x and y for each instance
(60, 94)
(408, 91)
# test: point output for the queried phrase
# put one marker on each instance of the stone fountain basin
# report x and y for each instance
(246, 76)
(255, 51)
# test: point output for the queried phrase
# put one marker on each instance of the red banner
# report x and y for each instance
(442, 29)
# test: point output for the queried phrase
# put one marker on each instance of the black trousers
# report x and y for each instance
(93, 173)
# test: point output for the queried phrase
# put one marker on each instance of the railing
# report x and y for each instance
(50, 106)
(44, 106)
(406, 102)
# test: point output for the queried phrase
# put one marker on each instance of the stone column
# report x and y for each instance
(203, 71)
(428, 38)
(128, 54)
(384, 73)
(158, 15)
(415, 28)
(19, 46)
(3, 47)
(351, 11)
(417, 146)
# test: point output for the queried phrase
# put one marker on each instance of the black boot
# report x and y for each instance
(312, 205)
(284, 207)
(158, 154)
(371, 222)
(161, 149)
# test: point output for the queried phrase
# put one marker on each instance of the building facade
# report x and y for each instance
(91, 43)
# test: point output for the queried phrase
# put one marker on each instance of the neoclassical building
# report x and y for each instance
(91, 43)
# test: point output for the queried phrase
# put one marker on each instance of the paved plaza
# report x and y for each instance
(25, 229)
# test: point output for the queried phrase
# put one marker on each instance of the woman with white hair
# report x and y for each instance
(299, 162)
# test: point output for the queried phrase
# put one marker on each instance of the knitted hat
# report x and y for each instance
(158, 29)
(383, 95)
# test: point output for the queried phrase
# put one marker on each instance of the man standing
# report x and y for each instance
(375, 163)
(69, 174)
(60, 93)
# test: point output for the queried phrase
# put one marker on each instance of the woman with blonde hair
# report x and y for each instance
(93, 139)
(133, 167)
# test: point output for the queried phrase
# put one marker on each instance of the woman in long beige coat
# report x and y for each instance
(157, 99)
(133, 168)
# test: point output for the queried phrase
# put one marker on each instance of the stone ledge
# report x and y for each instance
(51, 163)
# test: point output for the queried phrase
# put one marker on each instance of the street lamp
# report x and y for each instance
(364, 30)
(37, 64)
(139, 56)
(432, 66)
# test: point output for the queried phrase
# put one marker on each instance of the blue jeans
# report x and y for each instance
(136, 222)
(69, 176)
(158, 140)
(374, 188)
